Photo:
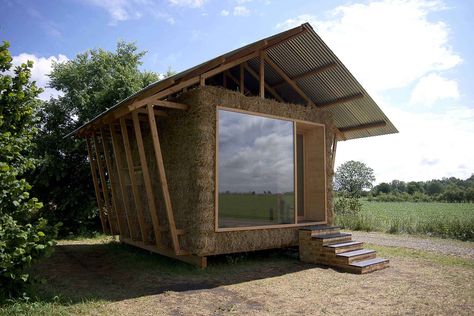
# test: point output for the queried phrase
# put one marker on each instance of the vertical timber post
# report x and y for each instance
(147, 180)
(162, 177)
(133, 180)
(103, 183)
(96, 187)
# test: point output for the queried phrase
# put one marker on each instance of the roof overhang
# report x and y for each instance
(300, 68)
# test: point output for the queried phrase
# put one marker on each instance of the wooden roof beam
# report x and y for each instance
(312, 72)
(363, 126)
(288, 79)
(341, 100)
(256, 76)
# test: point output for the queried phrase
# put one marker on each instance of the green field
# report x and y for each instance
(255, 209)
(450, 220)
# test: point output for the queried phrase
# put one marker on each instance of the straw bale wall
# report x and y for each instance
(188, 141)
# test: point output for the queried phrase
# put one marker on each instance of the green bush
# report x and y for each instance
(347, 206)
(23, 238)
(21, 245)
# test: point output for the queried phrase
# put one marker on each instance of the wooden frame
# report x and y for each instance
(216, 174)
(93, 165)
(133, 181)
(311, 176)
(147, 181)
(163, 181)
(103, 183)
(119, 212)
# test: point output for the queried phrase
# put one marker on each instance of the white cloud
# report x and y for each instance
(392, 45)
(119, 10)
(432, 88)
(41, 68)
(429, 146)
(123, 10)
(225, 13)
(241, 10)
(386, 37)
(188, 3)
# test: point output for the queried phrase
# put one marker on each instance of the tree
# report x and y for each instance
(382, 187)
(91, 83)
(352, 177)
(23, 237)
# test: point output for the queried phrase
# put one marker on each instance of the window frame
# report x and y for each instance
(216, 173)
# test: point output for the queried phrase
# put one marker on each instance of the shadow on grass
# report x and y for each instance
(113, 271)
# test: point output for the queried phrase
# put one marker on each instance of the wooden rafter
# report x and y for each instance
(157, 112)
(312, 72)
(363, 126)
(147, 180)
(341, 100)
(288, 80)
(267, 86)
(121, 180)
(119, 211)
(93, 166)
(163, 180)
(103, 183)
(162, 94)
(232, 77)
(144, 227)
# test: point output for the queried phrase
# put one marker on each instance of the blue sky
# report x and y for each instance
(415, 58)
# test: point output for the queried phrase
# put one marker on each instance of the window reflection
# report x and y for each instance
(255, 170)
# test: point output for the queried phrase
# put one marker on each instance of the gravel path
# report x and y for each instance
(458, 248)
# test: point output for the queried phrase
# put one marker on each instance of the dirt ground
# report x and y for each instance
(127, 281)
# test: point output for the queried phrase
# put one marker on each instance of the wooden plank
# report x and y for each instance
(93, 166)
(230, 65)
(363, 126)
(115, 198)
(198, 261)
(261, 75)
(337, 101)
(157, 112)
(268, 87)
(309, 73)
(147, 180)
(288, 80)
(231, 76)
(333, 152)
(160, 95)
(171, 105)
(103, 184)
(144, 227)
(163, 180)
(121, 179)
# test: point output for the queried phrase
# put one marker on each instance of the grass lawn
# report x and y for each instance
(97, 276)
(452, 220)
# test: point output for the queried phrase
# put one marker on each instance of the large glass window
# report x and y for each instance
(255, 170)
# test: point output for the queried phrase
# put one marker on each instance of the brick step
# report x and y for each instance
(356, 255)
(370, 265)
(343, 247)
(321, 229)
(328, 239)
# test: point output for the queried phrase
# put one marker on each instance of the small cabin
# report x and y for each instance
(233, 155)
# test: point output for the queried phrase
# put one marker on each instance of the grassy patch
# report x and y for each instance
(447, 220)
(49, 307)
(401, 252)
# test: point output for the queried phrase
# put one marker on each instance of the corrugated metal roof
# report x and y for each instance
(295, 56)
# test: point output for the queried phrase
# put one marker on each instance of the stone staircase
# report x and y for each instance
(326, 245)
